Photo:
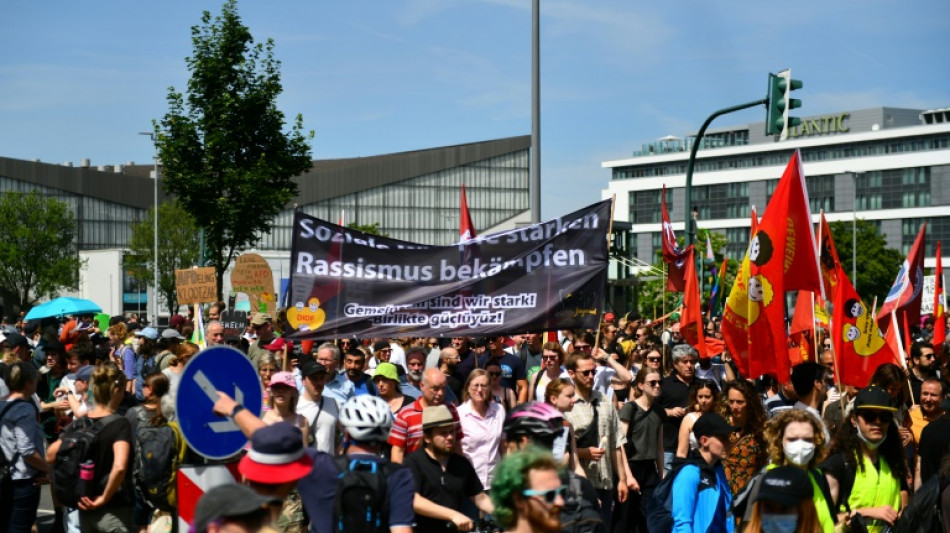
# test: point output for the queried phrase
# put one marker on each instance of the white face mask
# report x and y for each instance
(779, 523)
(799, 452)
(869, 443)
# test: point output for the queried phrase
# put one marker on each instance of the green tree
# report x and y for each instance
(177, 248)
(877, 264)
(372, 229)
(37, 254)
(652, 293)
(223, 148)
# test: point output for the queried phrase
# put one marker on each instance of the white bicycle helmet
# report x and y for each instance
(367, 418)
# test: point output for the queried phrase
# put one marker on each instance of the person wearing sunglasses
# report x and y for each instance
(599, 439)
(552, 360)
(528, 492)
(866, 470)
(641, 423)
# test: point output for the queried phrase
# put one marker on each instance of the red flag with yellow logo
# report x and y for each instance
(691, 319)
(859, 344)
(940, 304)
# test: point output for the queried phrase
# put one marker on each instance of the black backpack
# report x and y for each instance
(579, 515)
(660, 507)
(361, 504)
(74, 449)
(924, 513)
(158, 450)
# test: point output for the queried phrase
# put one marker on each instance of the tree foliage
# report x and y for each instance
(177, 248)
(37, 255)
(652, 297)
(371, 229)
(877, 264)
(223, 147)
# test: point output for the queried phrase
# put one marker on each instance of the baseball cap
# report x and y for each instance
(787, 485)
(278, 344)
(712, 425)
(874, 397)
(14, 339)
(609, 317)
(259, 319)
(227, 501)
(171, 333)
(276, 455)
(84, 373)
(436, 416)
(386, 370)
(310, 367)
(283, 378)
(148, 333)
(176, 320)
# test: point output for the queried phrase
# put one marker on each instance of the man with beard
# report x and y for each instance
(406, 434)
(597, 428)
(443, 479)
(262, 324)
(448, 365)
(930, 428)
(675, 399)
(410, 381)
(924, 366)
(527, 493)
(321, 412)
(353, 363)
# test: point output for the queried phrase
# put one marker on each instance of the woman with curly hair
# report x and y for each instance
(866, 470)
(795, 438)
(746, 455)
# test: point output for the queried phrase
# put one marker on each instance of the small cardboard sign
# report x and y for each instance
(234, 322)
(196, 285)
(253, 276)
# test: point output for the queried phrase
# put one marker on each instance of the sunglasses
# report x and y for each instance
(875, 416)
(549, 357)
(494, 374)
(653, 359)
(587, 373)
(653, 383)
(547, 496)
(582, 347)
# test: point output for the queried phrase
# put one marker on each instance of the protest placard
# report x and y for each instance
(253, 276)
(196, 285)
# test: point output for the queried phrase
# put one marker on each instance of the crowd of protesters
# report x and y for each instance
(598, 418)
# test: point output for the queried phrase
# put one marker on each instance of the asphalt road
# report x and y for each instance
(45, 515)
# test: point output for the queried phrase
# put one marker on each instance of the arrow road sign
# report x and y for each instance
(219, 368)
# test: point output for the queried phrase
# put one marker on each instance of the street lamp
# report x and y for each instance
(151, 136)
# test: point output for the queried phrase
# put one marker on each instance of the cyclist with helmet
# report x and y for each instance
(366, 421)
(538, 424)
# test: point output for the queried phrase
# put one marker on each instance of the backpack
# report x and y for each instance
(924, 513)
(6, 465)
(660, 507)
(578, 514)
(361, 503)
(74, 449)
(158, 455)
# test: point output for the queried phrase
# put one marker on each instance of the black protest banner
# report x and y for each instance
(546, 276)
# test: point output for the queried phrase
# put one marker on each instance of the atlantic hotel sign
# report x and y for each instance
(825, 125)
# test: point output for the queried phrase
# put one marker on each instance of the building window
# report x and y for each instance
(938, 229)
(646, 205)
(727, 200)
(738, 240)
(821, 193)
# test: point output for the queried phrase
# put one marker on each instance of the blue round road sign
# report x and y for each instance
(220, 368)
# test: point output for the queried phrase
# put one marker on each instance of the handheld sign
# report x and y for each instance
(253, 276)
(196, 285)
(234, 322)
(224, 369)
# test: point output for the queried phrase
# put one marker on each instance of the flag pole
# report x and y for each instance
(610, 230)
(824, 297)
(903, 356)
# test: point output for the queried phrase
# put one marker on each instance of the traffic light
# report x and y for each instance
(777, 121)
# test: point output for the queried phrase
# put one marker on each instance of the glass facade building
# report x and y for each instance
(889, 166)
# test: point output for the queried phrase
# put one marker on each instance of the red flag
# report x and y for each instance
(859, 344)
(800, 337)
(691, 319)
(827, 258)
(905, 294)
(754, 225)
(466, 228)
(674, 257)
(892, 339)
(940, 304)
(781, 258)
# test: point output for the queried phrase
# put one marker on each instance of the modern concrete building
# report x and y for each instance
(413, 196)
(887, 165)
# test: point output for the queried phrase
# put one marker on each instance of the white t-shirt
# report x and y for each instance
(322, 417)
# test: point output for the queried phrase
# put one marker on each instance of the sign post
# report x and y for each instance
(219, 368)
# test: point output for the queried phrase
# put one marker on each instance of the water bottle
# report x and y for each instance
(87, 472)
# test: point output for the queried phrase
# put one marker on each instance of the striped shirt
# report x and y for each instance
(407, 426)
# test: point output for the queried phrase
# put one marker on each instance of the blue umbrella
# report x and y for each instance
(64, 306)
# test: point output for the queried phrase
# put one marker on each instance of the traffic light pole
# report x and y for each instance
(692, 158)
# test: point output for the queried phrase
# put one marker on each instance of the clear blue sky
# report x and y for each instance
(80, 79)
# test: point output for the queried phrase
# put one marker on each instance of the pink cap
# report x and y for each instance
(283, 378)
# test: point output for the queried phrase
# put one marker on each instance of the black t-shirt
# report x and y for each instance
(646, 426)
(512, 370)
(117, 430)
(675, 394)
(837, 467)
(447, 487)
(933, 446)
